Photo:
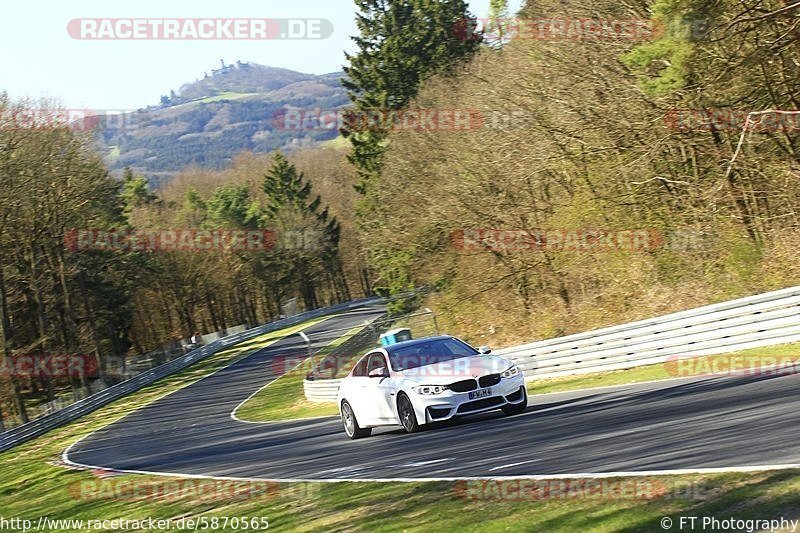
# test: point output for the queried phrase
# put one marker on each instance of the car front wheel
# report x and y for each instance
(351, 427)
(406, 413)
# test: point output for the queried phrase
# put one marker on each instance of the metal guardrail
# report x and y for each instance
(321, 390)
(33, 429)
(121, 369)
(755, 321)
(325, 390)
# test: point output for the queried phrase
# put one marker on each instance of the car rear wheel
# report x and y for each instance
(351, 427)
(406, 413)
(517, 408)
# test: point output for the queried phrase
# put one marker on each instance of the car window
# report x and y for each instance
(361, 367)
(376, 360)
(427, 353)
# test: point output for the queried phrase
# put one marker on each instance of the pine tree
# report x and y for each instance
(308, 235)
(400, 44)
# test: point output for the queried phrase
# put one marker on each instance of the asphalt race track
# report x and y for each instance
(695, 423)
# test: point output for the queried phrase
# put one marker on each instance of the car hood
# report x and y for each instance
(456, 370)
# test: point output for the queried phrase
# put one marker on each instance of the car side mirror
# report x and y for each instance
(484, 350)
(382, 372)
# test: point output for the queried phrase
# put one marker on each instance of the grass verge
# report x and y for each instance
(284, 399)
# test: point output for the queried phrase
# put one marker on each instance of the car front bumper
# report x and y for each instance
(449, 404)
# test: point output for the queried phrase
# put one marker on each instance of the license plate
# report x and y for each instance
(480, 394)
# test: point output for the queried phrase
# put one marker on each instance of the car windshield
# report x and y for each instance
(428, 353)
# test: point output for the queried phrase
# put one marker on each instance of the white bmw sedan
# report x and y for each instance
(427, 380)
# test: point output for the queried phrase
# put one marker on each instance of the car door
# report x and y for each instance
(356, 392)
(380, 390)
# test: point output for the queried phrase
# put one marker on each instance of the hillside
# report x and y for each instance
(211, 119)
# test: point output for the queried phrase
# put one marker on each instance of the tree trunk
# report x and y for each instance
(6, 336)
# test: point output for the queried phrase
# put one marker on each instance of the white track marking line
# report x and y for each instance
(510, 465)
(426, 463)
(582, 475)
(236, 418)
(65, 453)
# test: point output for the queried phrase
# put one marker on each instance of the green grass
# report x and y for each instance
(337, 143)
(226, 96)
(284, 399)
(33, 485)
(651, 372)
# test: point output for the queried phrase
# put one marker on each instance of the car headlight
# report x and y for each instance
(510, 372)
(430, 389)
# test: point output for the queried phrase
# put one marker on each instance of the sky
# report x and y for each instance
(41, 59)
